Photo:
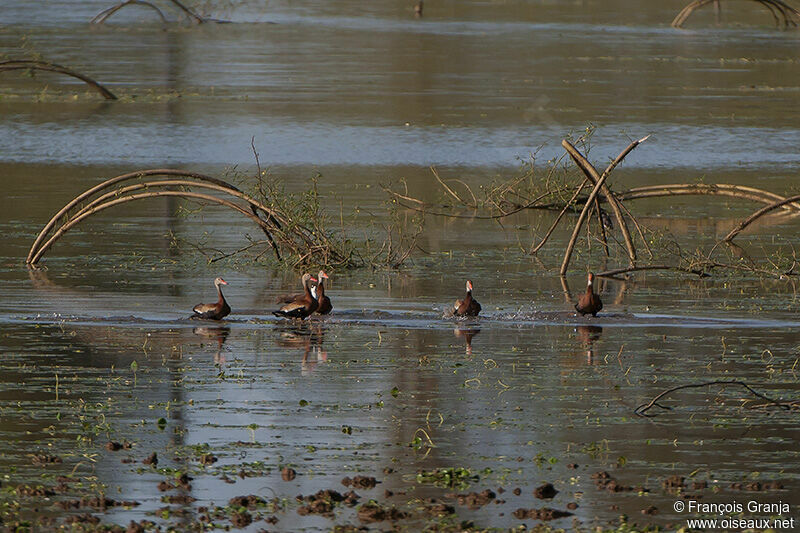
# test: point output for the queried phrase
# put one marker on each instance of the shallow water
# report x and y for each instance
(98, 345)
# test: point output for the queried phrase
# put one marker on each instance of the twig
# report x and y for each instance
(560, 215)
(617, 271)
(642, 409)
(452, 193)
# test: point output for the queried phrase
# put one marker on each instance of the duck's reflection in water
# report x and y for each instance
(306, 336)
(218, 333)
(587, 335)
(467, 335)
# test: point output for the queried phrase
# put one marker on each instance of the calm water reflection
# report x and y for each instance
(98, 345)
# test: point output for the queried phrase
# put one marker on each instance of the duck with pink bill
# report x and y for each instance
(303, 304)
(469, 306)
(215, 311)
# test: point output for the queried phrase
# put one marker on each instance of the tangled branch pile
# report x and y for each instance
(294, 226)
(588, 198)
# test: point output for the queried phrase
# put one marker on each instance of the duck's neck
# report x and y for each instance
(221, 299)
(309, 296)
(320, 289)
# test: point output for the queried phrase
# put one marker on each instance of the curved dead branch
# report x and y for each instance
(642, 409)
(152, 194)
(714, 189)
(104, 15)
(111, 182)
(783, 14)
(758, 214)
(101, 17)
(617, 271)
(278, 227)
(52, 67)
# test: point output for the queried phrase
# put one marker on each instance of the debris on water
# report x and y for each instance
(99, 503)
(241, 519)
(360, 482)
(758, 486)
(373, 512)
(151, 459)
(674, 483)
(545, 492)
(604, 481)
(475, 500)
(207, 459)
(324, 501)
(46, 459)
(545, 513)
(248, 502)
(650, 510)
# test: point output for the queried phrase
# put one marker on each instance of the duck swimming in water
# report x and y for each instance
(215, 311)
(325, 306)
(468, 306)
(302, 305)
(589, 303)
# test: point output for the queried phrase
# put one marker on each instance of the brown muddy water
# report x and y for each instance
(97, 348)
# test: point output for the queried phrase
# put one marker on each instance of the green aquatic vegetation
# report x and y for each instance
(455, 477)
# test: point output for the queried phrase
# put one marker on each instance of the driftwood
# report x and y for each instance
(281, 231)
(642, 409)
(782, 13)
(52, 67)
(599, 181)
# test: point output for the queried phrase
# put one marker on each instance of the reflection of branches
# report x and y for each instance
(642, 409)
(101, 17)
(782, 13)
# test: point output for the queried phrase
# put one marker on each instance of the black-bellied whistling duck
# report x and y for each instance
(418, 9)
(325, 306)
(589, 303)
(216, 311)
(469, 306)
(300, 307)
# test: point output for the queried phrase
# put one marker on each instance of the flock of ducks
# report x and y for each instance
(313, 300)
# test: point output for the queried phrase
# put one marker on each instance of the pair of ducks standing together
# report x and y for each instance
(312, 299)
(588, 304)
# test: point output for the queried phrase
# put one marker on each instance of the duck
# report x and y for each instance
(302, 305)
(318, 291)
(325, 306)
(589, 303)
(215, 311)
(468, 306)
(418, 9)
